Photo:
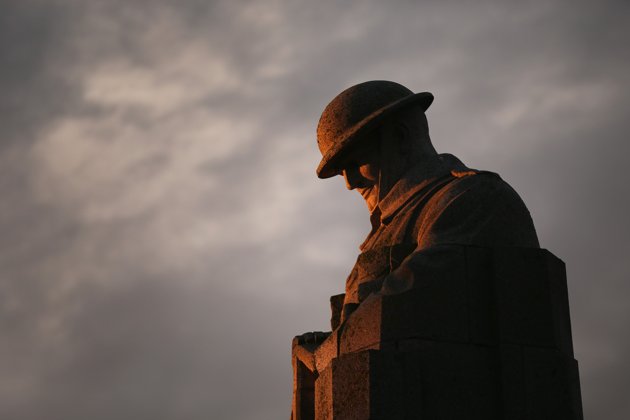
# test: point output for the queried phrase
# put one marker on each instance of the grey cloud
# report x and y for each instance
(35, 43)
(137, 316)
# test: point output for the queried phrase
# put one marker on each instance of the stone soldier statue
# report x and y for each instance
(375, 135)
(423, 206)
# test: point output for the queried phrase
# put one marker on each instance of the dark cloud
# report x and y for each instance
(35, 41)
(164, 234)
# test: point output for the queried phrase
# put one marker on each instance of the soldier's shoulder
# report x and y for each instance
(460, 171)
(480, 183)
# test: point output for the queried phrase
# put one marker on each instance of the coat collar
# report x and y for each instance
(416, 179)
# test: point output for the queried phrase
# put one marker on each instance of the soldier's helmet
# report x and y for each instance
(356, 111)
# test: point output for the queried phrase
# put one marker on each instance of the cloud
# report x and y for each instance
(164, 234)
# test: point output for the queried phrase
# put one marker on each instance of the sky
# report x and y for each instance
(164, 235)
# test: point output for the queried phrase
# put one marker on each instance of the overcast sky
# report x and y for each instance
(164, 235)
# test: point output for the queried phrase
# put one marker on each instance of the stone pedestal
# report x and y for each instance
(487, 338)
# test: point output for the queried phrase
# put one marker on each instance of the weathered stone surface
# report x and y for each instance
(327, 351)
(515, 295)
(351, 386)
(512, 382)
(482, 311)
(503, 351)
(363, 329)
(336, 307)
(436, 380)
(539, 383)
(324, 409)
(361, 386)
(560, 304)
(451, 311)
(531, 295)
(552, 387)
(436, 308)
(303, 406)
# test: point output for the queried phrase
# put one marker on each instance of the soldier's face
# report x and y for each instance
(361, 172)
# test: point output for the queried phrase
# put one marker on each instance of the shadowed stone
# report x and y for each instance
(537, 314)
(452, 310)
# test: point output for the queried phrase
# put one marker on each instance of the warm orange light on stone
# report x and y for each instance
(452, 310)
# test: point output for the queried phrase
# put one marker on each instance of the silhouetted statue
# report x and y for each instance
(436, 229)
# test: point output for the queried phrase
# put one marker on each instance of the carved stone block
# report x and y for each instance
(489, 338)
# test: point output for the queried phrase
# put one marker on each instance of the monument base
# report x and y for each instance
(489, 339)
